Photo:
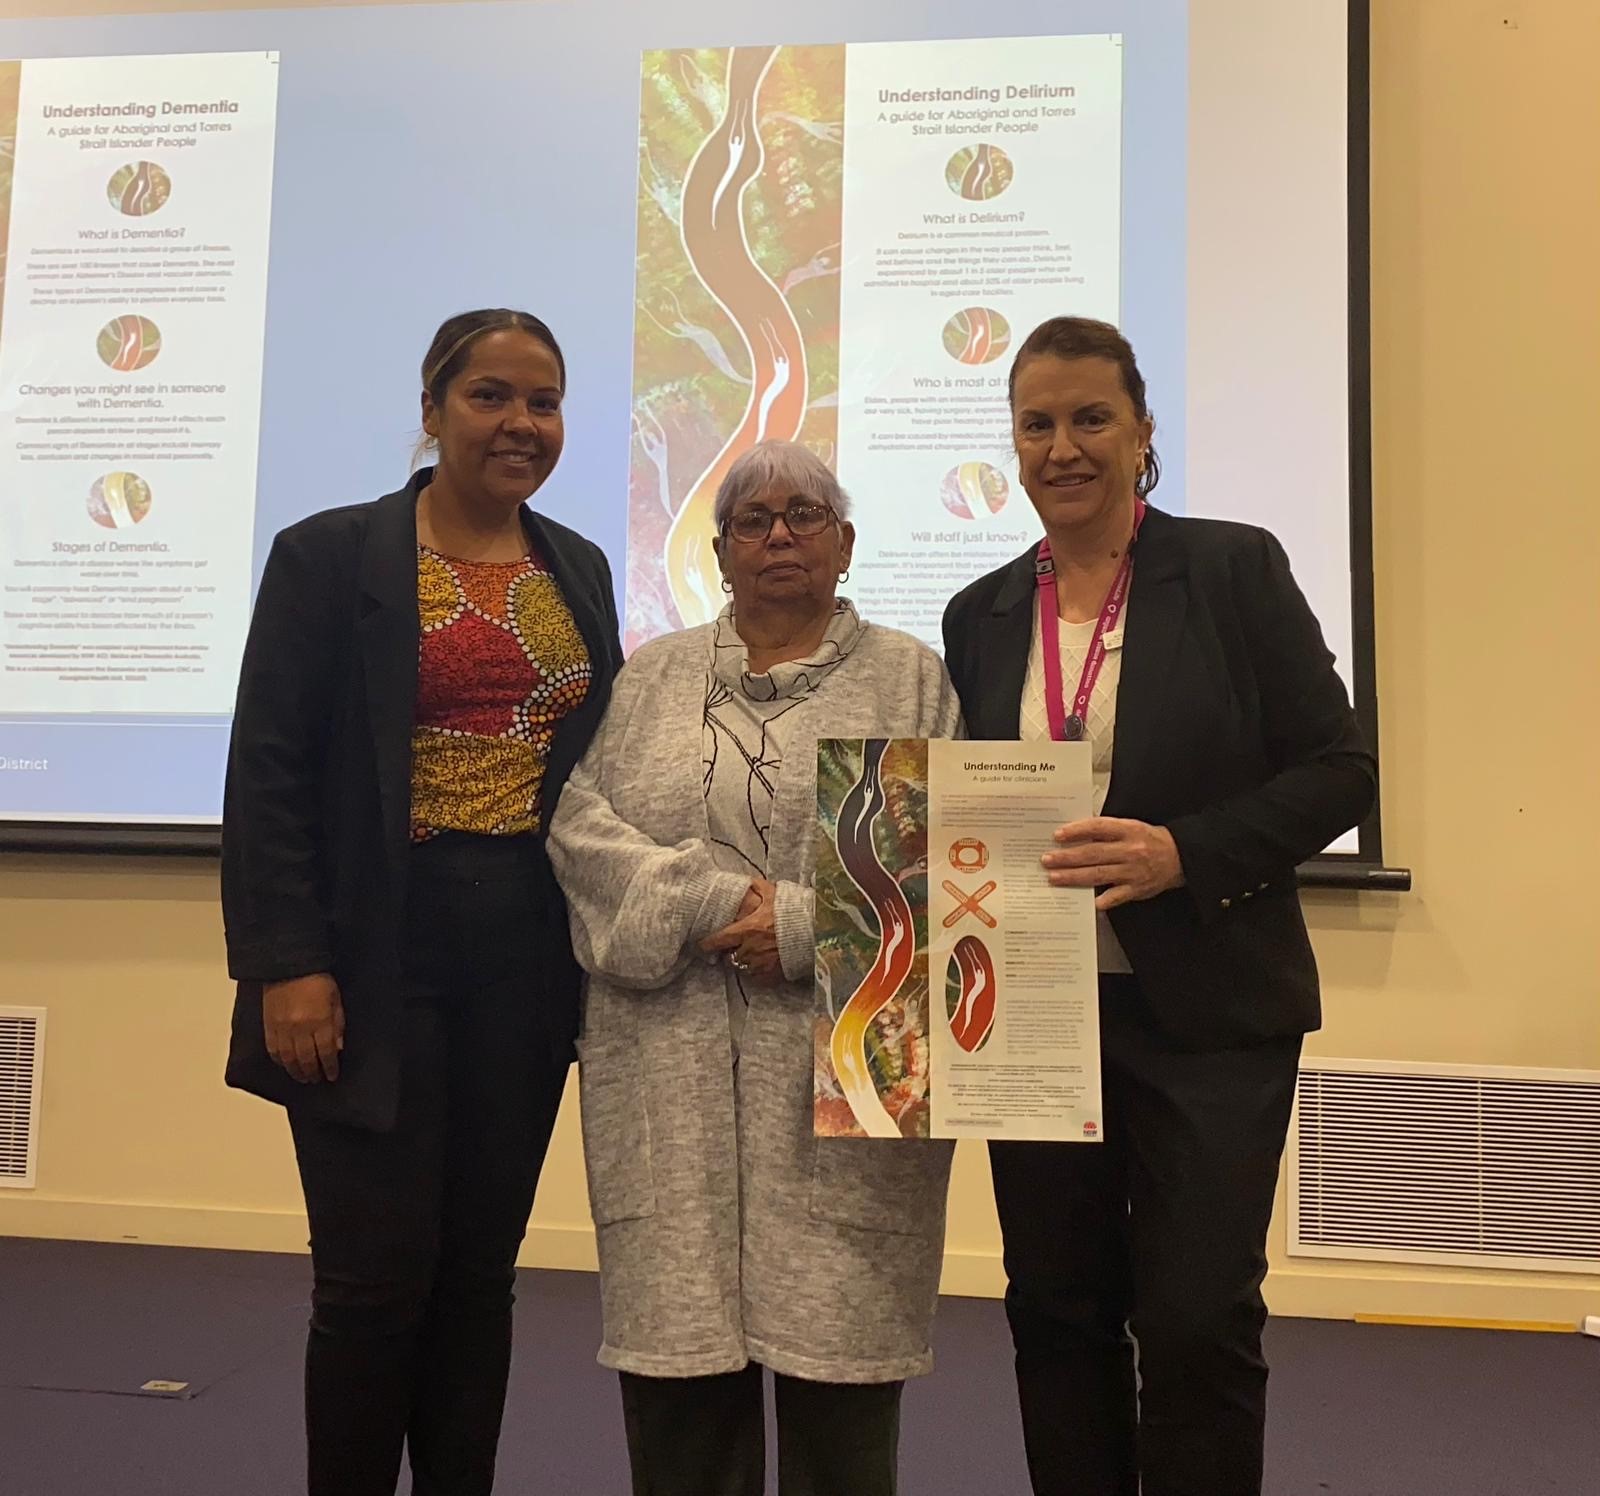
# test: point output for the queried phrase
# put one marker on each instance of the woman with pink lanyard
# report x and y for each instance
(1225, 753)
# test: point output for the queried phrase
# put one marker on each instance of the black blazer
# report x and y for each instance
(1234, 732)
(316, 813)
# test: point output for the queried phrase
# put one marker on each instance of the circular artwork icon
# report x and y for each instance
(979, 172)
(119, 500)
(128, 342)
(972, 488)
(139, 188)
(969, 993)
(977, 335)
(968, 855)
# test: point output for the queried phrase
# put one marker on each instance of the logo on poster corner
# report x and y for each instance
(1091, 1129)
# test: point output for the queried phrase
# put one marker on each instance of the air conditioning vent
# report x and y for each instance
(1468, 1167)
(21, 1076)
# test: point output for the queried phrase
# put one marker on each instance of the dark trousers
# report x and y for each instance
(1160, 1230)
(414, 1232)
(706, 1436)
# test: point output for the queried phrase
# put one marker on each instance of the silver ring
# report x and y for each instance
(737, 964)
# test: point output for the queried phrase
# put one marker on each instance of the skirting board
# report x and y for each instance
(1329, 1290)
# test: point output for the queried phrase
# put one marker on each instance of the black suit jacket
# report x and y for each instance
(1234, 732)
(316, 813)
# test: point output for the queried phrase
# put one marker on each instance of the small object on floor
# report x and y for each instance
(159, 1388)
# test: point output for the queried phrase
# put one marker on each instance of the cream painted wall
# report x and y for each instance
(1486, 372)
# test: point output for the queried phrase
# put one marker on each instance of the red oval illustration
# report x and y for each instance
(970, 993)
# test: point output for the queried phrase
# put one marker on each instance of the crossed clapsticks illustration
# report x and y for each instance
(970, 903)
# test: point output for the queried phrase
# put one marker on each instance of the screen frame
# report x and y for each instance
(1363, 868)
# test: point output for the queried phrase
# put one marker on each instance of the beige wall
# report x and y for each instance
(1486, 148)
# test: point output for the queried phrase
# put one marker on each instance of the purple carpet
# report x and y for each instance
(1356, 1410)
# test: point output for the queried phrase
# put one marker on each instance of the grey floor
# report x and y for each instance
(1356, 1410)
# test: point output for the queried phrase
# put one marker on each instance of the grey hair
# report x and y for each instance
(784, 465)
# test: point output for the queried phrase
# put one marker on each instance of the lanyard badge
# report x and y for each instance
(1064, 725)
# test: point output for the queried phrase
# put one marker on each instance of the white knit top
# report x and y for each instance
(1100, 728)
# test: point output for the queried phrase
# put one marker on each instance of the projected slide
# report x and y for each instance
(843, 242)
(847, 239)
(131, 331)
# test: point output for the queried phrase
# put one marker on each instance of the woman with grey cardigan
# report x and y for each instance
(730, 1238)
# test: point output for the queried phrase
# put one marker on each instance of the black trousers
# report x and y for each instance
(706, 1436)
(414, 1232)
(1160, 1230)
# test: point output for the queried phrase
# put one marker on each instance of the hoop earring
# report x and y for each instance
(727, 586)
(844, 576)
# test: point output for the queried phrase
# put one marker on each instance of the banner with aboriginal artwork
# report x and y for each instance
(135, 225)
(956, 990)
(736, 306)
(841, 246)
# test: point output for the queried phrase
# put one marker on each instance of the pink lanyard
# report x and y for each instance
(1063, 726)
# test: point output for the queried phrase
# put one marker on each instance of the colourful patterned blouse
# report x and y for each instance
(501, 662)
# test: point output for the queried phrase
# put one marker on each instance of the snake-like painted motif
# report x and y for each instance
(971, 994)
(969, 487)
(714, 239)
(977, 335)
(129, 342)
(979, 172)
(139, 188)
(119, 500)
(897, 941)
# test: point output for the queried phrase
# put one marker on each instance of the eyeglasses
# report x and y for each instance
(802, 517)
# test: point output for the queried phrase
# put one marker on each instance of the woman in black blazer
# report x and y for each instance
(1236, 757)
(421, 675)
